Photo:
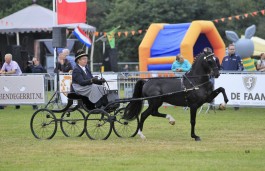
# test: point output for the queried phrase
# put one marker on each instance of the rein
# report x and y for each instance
(138, 78)
(162, 95)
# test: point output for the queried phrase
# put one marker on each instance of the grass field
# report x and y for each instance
(231, 140)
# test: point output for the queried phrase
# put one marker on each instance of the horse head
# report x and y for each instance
(205, 63)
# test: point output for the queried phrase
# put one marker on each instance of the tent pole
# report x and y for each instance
(17, 36)
(92, 53)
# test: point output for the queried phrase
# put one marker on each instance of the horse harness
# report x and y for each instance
(194, 87)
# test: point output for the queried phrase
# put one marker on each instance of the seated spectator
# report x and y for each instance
(10, 67)
(63, 65)
(37, 67)
(34, 66)
(261, 63)
(66, 52)
(181, 64)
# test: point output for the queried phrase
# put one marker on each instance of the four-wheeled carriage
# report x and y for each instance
(97, 123)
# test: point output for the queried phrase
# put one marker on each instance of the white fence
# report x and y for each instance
(242, 88)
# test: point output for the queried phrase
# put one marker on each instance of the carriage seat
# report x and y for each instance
(85, 101)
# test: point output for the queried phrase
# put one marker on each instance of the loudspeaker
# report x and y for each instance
(113, 54)
(59, 37)
(110, 60)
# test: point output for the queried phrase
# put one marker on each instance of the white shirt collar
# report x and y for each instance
(83, 68)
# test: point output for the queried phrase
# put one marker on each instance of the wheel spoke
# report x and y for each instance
(97, 125)
(43, 124)
(72, 123)
(125, 128)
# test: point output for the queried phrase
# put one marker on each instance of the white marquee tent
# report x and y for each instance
(36, 18)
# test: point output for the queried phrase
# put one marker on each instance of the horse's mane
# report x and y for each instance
(197, 59)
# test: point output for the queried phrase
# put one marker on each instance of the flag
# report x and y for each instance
(82, 37)
(111, 37)
(71, 11)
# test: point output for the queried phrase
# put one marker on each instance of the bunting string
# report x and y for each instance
(139, 32)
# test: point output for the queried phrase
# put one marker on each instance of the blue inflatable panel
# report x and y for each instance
(168, 40)
(200, 44)
(161, 67)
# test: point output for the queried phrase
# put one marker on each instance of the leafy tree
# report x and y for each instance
(139, 14)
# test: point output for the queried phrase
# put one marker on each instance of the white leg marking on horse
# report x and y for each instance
(171, 119)
(141, 134)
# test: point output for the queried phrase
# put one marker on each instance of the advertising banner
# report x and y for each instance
(22, 89)
(242, 89)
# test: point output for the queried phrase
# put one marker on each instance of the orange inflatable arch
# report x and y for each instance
(163, 42)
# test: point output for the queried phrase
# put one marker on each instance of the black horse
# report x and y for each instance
(193, 90)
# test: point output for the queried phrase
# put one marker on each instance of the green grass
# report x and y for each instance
(231, 140)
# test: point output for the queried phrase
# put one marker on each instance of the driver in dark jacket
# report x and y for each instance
(85, 84)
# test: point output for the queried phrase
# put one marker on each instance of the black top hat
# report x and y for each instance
(207, 49)
(80, 53)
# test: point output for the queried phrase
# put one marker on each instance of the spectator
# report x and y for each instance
(35, 67)
(181, 64)
(126, 68)
(136, 68)
(66, 52)
(85, 84)
(11, 67)
(208, 51)
(261, 63)
(63, 65)
(232, 62)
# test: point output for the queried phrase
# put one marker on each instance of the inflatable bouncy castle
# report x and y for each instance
(163, 42)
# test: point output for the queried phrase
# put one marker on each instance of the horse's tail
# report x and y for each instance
(134, 108)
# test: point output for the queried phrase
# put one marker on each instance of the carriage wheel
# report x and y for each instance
(124, 128)
(43, 124)
(98, 125)
(72, 123)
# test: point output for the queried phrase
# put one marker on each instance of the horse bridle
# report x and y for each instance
(206, 75)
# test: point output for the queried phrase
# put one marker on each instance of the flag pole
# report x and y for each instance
(54, 12)
(92, 53)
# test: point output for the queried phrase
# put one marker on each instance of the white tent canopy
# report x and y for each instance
(34, 18)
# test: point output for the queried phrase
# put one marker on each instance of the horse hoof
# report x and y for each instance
(222, 106)
(142, 137)
(197, 139)
(172, 122)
